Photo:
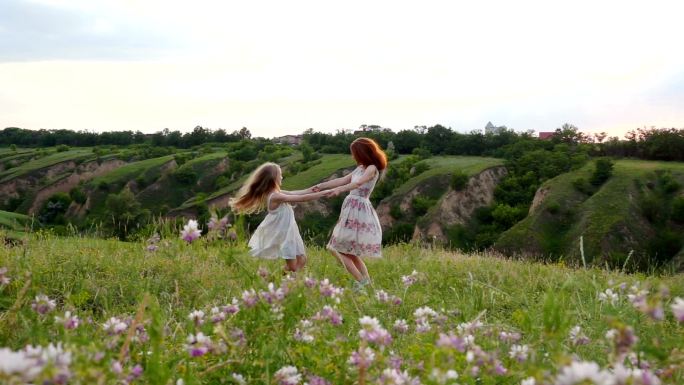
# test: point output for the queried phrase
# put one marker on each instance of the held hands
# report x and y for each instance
(332, 193)
(316, 188)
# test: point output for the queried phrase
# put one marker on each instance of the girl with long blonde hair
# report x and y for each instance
(277, 236)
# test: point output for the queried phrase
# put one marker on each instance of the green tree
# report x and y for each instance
(124, 213)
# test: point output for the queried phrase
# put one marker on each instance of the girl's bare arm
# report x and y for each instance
(298, 192)
(281, 197)
(367, 175)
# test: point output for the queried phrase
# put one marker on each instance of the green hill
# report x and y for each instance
(446, 165)
(46, 161)
(625, 215)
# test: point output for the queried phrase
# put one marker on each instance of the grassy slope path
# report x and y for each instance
(132, 170)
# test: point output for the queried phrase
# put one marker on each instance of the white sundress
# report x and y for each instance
(358, 230)
(277, 235)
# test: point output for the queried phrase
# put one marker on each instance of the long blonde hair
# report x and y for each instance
(252, 195)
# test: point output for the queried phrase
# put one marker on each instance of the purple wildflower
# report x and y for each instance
(190, 231)
(43, 304)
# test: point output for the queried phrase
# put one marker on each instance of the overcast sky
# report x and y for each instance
(280, 67)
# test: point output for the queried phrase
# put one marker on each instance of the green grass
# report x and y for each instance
(439, 165)
(132, 170)
(199, 164)
(329, 164)
(45, 161)
(99, 279)
(13, 221)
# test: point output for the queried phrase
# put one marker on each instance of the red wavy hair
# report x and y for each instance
(366, 152)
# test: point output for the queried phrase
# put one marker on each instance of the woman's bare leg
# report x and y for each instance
(360, 265)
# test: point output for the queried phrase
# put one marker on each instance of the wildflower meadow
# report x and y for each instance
(185, 308)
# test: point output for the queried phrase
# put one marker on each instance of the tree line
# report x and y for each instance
(645, 143)
(48, 138)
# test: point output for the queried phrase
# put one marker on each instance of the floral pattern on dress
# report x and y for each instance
(355, 248)
(358, 230)
(355, 224)
(355, 204)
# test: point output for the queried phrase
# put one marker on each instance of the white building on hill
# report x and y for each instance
(289, 139)
(492, 129)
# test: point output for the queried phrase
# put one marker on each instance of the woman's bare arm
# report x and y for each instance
(332, 183)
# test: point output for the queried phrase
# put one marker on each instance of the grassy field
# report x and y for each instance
(439, 165)
(602, 219)
(513, 319)
(45, 161)
(13, 221)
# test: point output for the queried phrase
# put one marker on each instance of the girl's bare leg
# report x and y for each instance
(301, 261)
(291, 265)
(348, 264)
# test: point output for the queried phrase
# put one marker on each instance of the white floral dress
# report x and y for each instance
(277, 235)
(358, 230)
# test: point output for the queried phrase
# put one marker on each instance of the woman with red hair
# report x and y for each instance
(358, 233)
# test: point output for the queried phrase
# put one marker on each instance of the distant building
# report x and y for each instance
(492, 129)
(289, 139)
(546, 135)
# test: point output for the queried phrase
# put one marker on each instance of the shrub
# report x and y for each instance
(401, 232)
(506, 216)
(185, 176)
(553, 207)
(421, 152)
(182, 158)
(581, 185)
(651, 208)
(459, 180)
(664, 245)
(419, 168)
(421, 205)
(77, 195)
(395, 212)
(667, 182)
(53, 210)
(678, 209)
(62, 148)
(603, 171)
(141, 182)
(102, 185)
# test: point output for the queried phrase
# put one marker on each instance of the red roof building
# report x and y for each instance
(545, 135)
